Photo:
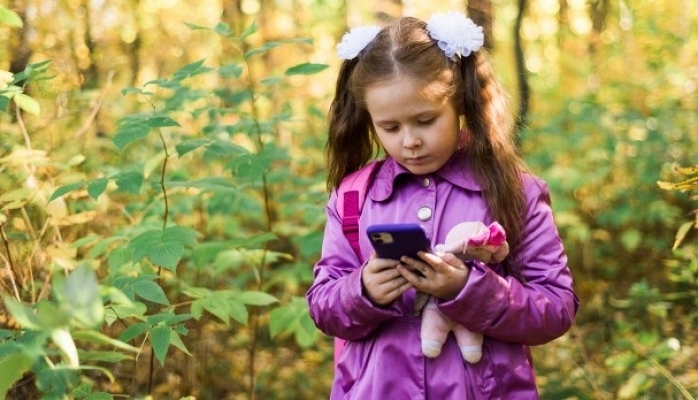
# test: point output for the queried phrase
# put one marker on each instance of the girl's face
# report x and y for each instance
(419, 132)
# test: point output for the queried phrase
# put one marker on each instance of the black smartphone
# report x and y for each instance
(397, 240)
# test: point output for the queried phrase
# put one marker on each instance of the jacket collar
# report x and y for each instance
(456, 171)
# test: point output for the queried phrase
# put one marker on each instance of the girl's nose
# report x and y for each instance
(410, 140)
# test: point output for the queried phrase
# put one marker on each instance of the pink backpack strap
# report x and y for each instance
(350, 200)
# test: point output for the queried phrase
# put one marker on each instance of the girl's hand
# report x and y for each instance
(382, 281)
(442, 275)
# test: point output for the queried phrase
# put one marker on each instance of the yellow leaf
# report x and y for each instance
(681, 234)
(75, 219)
(687, 170)
(27, 104)
(684, 185)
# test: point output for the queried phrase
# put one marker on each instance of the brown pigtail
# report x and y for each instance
(493, 156)
(349, 144)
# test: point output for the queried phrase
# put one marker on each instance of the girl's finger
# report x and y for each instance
(411, 275)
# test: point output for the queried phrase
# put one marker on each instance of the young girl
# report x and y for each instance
(427, 95)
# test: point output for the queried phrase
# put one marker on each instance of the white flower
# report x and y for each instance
(455, 33)
(356, 40)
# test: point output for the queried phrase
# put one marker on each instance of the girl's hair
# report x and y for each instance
(405, 48)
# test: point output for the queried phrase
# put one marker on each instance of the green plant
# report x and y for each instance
(139, 253)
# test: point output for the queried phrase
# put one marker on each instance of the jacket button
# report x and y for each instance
(425, 182)
(424, 213)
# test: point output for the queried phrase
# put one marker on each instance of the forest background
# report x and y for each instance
(162, 189)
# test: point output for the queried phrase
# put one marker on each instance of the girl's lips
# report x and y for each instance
(415, 160)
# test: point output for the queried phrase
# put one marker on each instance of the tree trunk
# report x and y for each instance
(232, 15)
(480, 11)
(91, 73)
(133, 48)
(598, 10)
(19, 47)
(522, 77)
(387, 10)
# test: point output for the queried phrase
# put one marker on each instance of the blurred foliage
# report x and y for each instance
(162, 193)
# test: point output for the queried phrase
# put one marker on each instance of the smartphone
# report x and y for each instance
(397, 240)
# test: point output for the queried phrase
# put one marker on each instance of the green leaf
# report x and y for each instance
(55, 380)
(211, 183)
(164, 83)
(23, 314)
(238, 311)
(631, 239)
(27, 104)
(177, 342)
(189, 70)
(280, 319)
(51, 316)
(167, 318)
(128, 133)
(82, 391)
(4, 102)
(195, 27)
(10, 18)
(81, 293)
(272, 45)
(131, 90)
(250, 167)
(160, 339)
(161, 122)
(104, 356)
(100, 396)
(270, 81)
(225, 148)
(164, 248)
(256, 298)
(13, 368)
(188, 146)
(134, 331)
(130, 182)
(100, 338)
(65, 190)
(293, 318)
(196, 292)
(215, 306)
(18, 196)
(250, 30)
(306, 334)
(117, 312)
(232, 70)
(306, 69)
(150, 291)
(215, 147)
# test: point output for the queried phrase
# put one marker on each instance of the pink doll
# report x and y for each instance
(467, 240)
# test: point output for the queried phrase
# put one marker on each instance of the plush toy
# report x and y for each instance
(467, 240)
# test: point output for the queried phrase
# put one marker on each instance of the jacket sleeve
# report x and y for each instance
(533, 312)
(336, 300)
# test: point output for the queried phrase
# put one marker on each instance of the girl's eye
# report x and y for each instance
(426, 121)
(391, 128)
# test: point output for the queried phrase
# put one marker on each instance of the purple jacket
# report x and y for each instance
(382, 358)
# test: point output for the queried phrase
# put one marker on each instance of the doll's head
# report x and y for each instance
(475, 240)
